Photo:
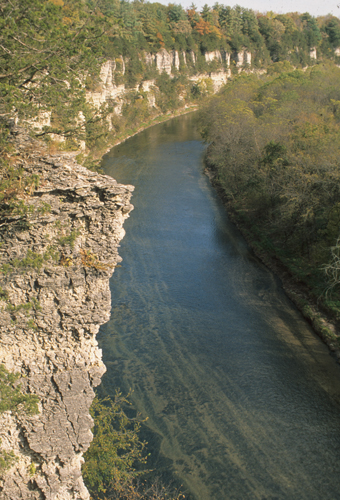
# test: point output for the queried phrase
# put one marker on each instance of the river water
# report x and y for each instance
(242, 399)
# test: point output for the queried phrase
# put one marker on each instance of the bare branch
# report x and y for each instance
(6, 50)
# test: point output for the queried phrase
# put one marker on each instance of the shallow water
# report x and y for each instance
(242, 399)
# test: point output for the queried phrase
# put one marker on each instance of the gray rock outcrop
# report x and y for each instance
(56, 262)
(164, 60)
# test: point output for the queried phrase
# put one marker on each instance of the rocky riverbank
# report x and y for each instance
(58, 251)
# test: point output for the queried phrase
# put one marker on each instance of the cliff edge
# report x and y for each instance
(58, 249)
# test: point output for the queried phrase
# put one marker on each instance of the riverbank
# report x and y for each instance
(299, 293)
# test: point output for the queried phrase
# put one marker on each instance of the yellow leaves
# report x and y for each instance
(58, 3)
(160, 39)
(278, 29)
(266, 104)
(89, 259)
(65, 261)
(205, 86)
(317, 135)
(271, 15)
(216, 32)
(236, 109)
(336, 108)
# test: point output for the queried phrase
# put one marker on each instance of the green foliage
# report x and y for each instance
(169, 90)
(7, 459)
(47, 44)
(32, 469)
(275, 154)
(21, 307)
(35, 260)
(13, 184)
(68, 239)
(23, 310)
(115, 451)
(44, 208)
(11, 397)
(31, 324)
(115, 462)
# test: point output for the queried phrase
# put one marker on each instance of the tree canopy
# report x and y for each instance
(46, 46)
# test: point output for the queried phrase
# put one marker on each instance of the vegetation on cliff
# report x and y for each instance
(51, 52)
(275, 148)
(115, 463)
(13, 400)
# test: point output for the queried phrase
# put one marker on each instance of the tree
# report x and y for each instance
(176, 13)
(46, 46)
(111, 460)
(114, 465)
(332, 29)
(311, 30)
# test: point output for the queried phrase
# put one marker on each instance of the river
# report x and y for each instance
(242, 398)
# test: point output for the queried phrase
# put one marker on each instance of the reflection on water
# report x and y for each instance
(243, 400)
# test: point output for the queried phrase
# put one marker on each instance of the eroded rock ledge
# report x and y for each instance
(58, 262)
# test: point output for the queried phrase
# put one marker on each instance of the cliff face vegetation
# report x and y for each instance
(274, 149)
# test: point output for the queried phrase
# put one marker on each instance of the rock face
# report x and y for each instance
(242, 57)
(313, 53)
(212, 56)
(175, 59)
(57, 262)
(163, 61)
(219, 79)
(109, 90)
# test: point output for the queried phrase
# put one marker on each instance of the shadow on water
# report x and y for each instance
(242, 399)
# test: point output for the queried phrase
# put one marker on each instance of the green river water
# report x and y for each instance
(242, 399)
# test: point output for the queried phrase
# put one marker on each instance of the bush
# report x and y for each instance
(115, 462)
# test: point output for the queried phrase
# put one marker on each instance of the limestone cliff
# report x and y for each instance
(56, 262)
(163, 61)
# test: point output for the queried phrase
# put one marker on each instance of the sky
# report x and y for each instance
(314, 7)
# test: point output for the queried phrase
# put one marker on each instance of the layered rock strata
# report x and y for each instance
(55, 264)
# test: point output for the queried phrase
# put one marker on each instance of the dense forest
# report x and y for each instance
(269, 37)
